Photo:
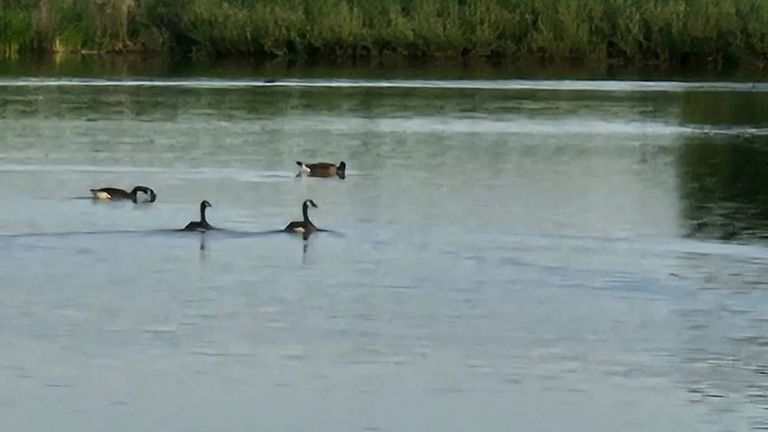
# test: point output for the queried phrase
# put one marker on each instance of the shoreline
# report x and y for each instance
(165, 65)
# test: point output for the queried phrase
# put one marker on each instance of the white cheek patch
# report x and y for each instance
(142, 196)
(304, 169)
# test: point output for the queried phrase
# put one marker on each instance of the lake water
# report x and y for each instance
(506, 255)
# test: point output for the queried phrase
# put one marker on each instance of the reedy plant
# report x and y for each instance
(633, 32)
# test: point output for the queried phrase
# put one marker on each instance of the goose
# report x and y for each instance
(202, 224)
(322, 169)
(110, 193)
(305, 226)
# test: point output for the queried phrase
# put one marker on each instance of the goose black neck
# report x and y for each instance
(202, 213)
(305, 212)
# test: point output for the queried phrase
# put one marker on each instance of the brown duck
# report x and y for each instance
(322, 169)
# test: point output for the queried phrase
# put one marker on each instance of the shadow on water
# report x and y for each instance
(724, 109)
(723, 179)
(724, 188)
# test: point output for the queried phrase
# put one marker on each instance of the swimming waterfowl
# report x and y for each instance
(303, 226)
(202, 224)
(322, 169)
(109, 193)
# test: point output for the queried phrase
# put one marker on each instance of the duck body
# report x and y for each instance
(300, 227)
(322, 169)
(109, 193)
(198, 226)
(115, 194)
(202, 224)
(304, 226)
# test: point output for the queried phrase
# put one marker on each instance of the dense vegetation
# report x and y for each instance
(668, 33)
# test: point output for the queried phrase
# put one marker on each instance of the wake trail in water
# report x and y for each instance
(216, 232)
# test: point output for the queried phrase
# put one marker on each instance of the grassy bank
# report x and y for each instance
(667, 33)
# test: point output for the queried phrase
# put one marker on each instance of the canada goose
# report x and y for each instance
(303, 226)
(322, 169)
(202, 224)
(109, 193)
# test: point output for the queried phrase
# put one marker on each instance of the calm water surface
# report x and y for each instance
(506, 255)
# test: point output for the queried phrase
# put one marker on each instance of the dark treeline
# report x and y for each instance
(663, 33)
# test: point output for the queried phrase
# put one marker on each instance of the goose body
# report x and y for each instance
(322, 169)
(304, 226)
(202, 224)
(113, 194)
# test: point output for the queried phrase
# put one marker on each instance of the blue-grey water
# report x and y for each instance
(504, 255)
